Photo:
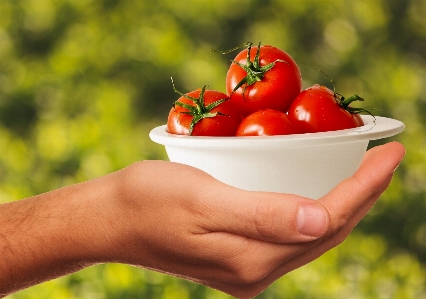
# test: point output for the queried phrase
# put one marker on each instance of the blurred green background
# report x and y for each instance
(82, 82)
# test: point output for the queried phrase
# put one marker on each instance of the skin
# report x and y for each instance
(233, 240)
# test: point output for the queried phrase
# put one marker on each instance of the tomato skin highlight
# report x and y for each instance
(316, 110)
(178, 121)
(267, 123)
(279, 86)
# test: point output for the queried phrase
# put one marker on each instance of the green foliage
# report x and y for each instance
(82, 82)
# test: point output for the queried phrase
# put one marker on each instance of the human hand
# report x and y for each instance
(179, 220)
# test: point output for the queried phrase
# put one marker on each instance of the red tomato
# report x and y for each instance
(319, 109)
(263, 77)
(267, 122)
(203, 113)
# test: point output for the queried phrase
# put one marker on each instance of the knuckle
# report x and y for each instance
(249, 276)
(247, 273)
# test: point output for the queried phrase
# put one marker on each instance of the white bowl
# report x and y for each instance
(305, 164)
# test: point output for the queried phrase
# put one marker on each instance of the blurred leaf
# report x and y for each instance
(83, 82)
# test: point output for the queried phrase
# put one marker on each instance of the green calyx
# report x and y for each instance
(255, 72)
(345, 102)
(200, 110)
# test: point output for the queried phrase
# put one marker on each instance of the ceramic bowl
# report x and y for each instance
(305, 164)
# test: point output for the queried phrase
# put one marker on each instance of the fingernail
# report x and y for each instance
(311, 220)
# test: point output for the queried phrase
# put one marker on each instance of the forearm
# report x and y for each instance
(176, 219)
(54, 234)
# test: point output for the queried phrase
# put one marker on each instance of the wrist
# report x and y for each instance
(92, 221)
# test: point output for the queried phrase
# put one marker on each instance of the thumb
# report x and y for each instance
(352, 198)
(272, 217)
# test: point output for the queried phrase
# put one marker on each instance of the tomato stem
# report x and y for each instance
(345, 102)
(200, 110)
(233, 49)
(255, 72)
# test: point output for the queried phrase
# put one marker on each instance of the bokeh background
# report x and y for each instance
(82, 82)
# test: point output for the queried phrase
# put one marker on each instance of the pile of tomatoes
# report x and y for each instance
(263, 97)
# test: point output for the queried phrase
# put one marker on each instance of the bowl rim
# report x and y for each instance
(374, 128)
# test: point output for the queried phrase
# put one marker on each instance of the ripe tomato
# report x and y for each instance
(266, 123)
(203, 113)
(319, 109)
(263, 77)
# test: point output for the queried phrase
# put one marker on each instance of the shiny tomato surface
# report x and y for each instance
(275, 89)
(221, 120)
(316, 110)
(267, 123)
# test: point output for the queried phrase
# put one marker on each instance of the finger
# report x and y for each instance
(347, 204)
(272, 217)
(372, 177)
(296, 255)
